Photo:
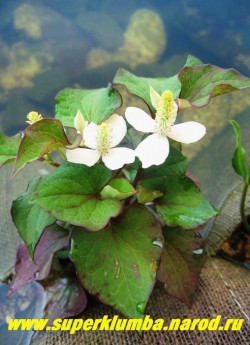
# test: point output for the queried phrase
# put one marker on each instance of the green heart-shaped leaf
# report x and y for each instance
(40, 138)
(141, 86)
(30, 219)
(8, 148)
(182, 203)
(119, 188)
(119, 263)
(144, 196)
(96, 105)
(72, 194)
(182, 259)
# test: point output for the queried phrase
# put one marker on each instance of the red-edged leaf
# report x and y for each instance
(182, 259)
(119, 262)
(40, 138)
(200, 83)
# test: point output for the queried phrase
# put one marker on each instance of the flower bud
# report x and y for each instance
(33, 117)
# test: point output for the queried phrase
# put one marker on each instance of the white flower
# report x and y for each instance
(155, 148)
(101, 141)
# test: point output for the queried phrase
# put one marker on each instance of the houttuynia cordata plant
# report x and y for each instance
(242, 168)
(118, 210)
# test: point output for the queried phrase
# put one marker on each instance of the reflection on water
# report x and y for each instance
(143, 42)
(28, 302)
(48, 45)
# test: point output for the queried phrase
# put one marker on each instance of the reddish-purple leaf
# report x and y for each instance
(27, 270)
(182, 259)
(65, 297)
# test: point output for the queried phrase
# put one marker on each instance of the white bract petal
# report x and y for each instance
(140, 120)
(117, 127)
(187, 132)
(90, 135)
(153, 150)
(79, 122)
(83, 156)
(154, 97)
(117, 157)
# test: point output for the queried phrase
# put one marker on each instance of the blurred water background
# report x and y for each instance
(48, 45)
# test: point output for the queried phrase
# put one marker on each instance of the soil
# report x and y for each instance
(237, 247)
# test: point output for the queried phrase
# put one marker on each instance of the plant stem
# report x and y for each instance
(117, 173)
(48, 159)
(138, 176)
(242, 207)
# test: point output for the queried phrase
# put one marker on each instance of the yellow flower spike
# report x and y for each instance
(104, 138)
(166, 112)
(33, 117)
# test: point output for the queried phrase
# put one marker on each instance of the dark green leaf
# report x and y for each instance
(119, 263)
(200, 83)
(141, 86)
(96, 105)
(40, 138)
(135, 137)
(182, 259)
(132, 138)
(144, 196)
(239, 160)
(182, 203)
(8, 148)
(130, 172)
(119, 188)
(72, 194)
(30, 219)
